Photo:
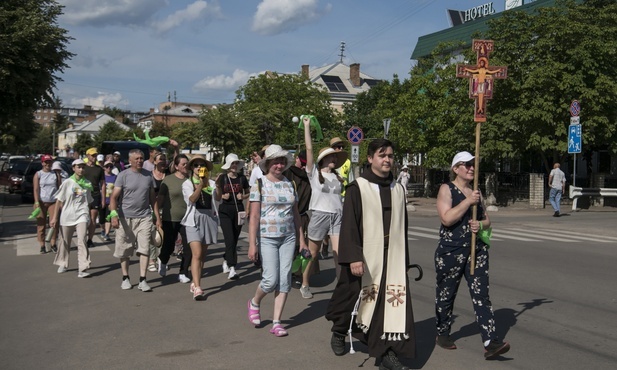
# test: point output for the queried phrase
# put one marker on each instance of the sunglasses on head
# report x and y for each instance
(468, 164)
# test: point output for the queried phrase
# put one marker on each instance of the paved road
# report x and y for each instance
(552, 287)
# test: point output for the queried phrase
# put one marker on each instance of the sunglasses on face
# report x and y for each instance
(197, 165)
(337, 147)
(468, 164)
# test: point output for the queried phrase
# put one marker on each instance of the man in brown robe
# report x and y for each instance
(355, 259)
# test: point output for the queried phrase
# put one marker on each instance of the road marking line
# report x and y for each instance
(571, 234)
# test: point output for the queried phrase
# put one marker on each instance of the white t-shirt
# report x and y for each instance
(559, 178)
(256, 174)
(75, 200)
(325, 197)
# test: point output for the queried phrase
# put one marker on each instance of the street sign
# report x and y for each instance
(574, 139)
(355, 135)
(355, 153)
(386, 127)
(575, 108)
(575, 120)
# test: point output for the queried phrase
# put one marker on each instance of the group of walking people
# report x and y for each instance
(294, 205)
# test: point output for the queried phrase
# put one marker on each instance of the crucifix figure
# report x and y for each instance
(481, 77)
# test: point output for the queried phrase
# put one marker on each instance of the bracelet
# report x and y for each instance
(113, 214)
(37, 203)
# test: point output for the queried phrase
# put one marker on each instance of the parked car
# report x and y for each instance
(35, 166)
(12, 174)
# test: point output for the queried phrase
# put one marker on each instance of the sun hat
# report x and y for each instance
(92, 151)
(275, 151)
(231, 157)
(78, 162)
(45, 158)
(336, 141)
(56, 166)
(195, 157)
(461, 157)
(157, 236)
(341, 156)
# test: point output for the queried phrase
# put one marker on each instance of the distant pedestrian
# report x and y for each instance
(96, 176)
(131, 207)
(118, 164)
(110, 179)
(557, 182)
(275, 228)
(45, 184)
(72, 213)
(452, 257)
(232, 188)
(403, 179)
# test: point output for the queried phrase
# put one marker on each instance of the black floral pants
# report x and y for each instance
(451, 264)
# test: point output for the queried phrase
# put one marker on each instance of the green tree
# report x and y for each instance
(556, 55)
(219, 128)
(110, 131)
(115, 113)
(34, 51)
(83, 143)
(267, 103)
(41, 142)
(185, 133)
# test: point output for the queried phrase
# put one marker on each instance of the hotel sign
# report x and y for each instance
(478, 12)
(458, 17)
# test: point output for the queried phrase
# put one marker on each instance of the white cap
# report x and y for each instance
(461, 157)
(100, 158)
(78, 162)
(56, 166)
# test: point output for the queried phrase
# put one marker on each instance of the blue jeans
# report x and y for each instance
(277, 255)
(555, 198)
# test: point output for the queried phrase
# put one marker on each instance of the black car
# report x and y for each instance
(35, 166)
(12, 174)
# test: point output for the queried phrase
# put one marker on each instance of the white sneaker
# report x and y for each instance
(126, 284)
(232, 273)
(225, 267)
(183, 279)
(306, 292)
(162, 267)
(61, 269)
(83, 274)
(143, 286)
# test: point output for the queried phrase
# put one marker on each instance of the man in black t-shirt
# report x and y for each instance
(96, 175)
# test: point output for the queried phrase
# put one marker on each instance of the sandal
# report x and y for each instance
(254, 316)
(278, 330)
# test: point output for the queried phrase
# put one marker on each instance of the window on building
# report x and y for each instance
(334, 83)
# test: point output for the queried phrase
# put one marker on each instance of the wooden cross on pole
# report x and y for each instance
(481, 76)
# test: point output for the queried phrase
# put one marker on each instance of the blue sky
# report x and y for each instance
(131, 53)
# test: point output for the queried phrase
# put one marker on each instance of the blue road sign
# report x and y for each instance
(574, 139)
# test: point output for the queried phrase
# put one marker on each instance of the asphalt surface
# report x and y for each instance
(552, 288)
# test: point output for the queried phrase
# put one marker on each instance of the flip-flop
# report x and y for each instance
(254, 316)
(278, 330)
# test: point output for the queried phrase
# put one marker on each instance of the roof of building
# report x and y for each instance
(336, 78)
(427, 43)
(95, 125)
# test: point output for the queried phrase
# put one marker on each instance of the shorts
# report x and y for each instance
(324, 223)
(96, 203)
(133, 231)
(205, 229)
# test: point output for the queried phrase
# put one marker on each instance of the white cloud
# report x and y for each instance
(199, 10)
(100, 13)
(103, 99)
(279, 16)
(222, 82)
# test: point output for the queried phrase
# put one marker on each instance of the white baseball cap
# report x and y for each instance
(461, 157)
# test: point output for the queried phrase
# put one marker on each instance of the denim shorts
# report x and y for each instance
(277, 255)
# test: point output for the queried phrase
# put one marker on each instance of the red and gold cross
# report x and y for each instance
(481, 76)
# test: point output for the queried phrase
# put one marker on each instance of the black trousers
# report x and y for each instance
(170, 232)
(228, 217)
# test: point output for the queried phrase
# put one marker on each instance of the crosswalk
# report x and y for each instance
(519, 234)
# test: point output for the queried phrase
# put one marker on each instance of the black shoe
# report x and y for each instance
(337, 342)
(445, 342)
(43, 250)
(389, 361)
(556, 214)
(495, 348)
(54, 248)
(89, 244)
